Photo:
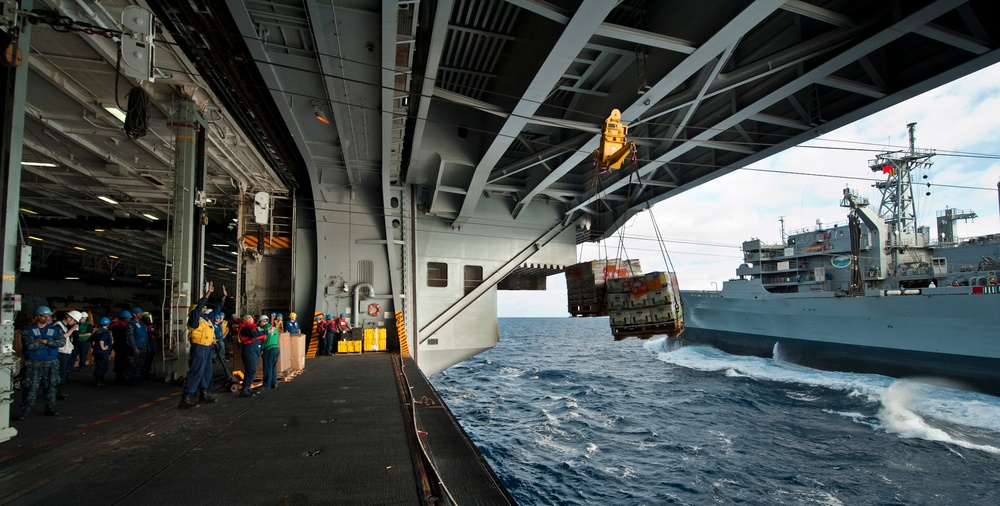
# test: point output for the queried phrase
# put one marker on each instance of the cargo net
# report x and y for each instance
(586, 284)
(639, 305)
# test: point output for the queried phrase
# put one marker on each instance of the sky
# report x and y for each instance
(704, 227)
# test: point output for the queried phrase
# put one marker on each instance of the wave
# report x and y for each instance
(909, 408)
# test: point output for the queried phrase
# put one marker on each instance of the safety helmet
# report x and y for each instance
(206, 310)
(279, 315)
(43, 310)
(220, 314)
(329, 317)
(105, 320)
(342, 315)
(137, 309)
(292, 314)
(83, 315)
(125, 314)
(263, 318)
(247, 315)
(76, 315)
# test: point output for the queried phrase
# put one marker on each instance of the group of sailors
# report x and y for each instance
(51, 348)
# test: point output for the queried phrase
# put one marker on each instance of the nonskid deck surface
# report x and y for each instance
(333, 435)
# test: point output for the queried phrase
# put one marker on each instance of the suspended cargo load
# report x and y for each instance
(645, 306)
(586, 284)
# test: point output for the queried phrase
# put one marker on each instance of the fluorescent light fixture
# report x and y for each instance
(79, 248)
(112, 256)
(109, 200)
(233, 252)
(150, 216)
(98, 230)
(116, 112)
(39, 164)
(33, 238)
(72, 277)
(29, 211)
(221, 245)
(223, 268)
(144, 275)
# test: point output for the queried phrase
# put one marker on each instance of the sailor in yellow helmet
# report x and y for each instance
(201, 333)
(292, 325)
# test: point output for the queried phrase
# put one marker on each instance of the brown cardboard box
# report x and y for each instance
(298, 352)
(285, 352)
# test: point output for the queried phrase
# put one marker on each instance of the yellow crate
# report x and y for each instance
(341, 346)
(374, 339)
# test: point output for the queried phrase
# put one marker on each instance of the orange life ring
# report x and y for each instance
(374, 309)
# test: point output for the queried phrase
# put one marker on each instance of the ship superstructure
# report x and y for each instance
(875, 293)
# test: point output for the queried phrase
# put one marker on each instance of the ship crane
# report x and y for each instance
(614, 148)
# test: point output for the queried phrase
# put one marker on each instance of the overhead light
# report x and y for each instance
(319, 114)
(144, 275)
(223, 268)
(112, 256)
(33, 238)
(72, 277)
(116, 112)
(232, 252)
(79, 248)
(222, 245)
(150, 216)
(98, 230)
(109, 200)
(39, 164)
(29, 211)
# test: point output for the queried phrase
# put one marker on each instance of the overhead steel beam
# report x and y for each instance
(575, 36)
(880, 39)
(729, 35)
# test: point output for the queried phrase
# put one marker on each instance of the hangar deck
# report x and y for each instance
(336, 434)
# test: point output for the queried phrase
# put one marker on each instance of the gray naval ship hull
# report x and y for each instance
(942, 332)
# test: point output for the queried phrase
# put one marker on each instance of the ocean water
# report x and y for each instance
(566, 415)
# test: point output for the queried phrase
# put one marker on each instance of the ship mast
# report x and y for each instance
(897, 206)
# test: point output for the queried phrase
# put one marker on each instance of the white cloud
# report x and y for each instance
(958, 117)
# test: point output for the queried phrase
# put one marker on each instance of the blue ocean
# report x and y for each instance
(566, 415)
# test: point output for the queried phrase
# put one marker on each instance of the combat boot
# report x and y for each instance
(186, 402)
(206, 397)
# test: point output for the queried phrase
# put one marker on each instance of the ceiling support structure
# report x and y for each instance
(187, 241)
(14, 82)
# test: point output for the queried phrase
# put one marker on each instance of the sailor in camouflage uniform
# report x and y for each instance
(41, 341)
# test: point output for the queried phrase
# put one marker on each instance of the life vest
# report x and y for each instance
(203, 334)
(249, 333)
(48, 332)
(341, 324)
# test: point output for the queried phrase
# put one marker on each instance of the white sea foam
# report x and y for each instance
(907, 408)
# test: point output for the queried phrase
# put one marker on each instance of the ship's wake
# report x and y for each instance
(913, 409)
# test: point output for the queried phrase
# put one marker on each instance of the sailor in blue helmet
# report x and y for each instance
(201, 333)
(119, 337)
(138, 341)
(330, 334)
(101, 342)
(342, 327)
(41, 342)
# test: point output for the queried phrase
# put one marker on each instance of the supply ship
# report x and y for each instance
(876, 294)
